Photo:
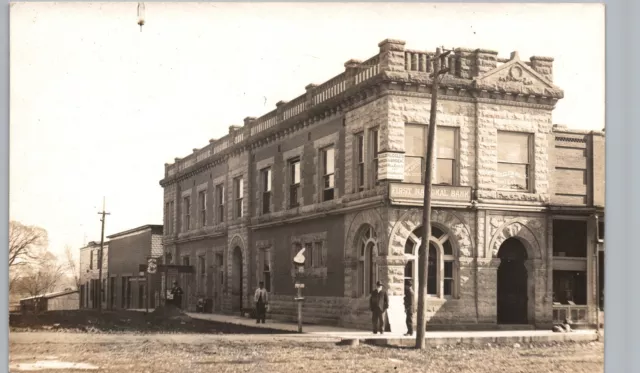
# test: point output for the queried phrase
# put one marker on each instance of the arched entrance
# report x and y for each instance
(512, 283)
(236, 280)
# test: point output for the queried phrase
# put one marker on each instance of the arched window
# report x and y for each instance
(441, 262)
(367, 268)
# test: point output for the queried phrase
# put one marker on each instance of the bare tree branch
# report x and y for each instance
(40, 276)
(72, 266)
(25, 243)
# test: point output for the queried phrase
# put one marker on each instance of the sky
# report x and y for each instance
(97, 106)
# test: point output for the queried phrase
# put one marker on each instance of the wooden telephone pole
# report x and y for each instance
(100, 296)
(439, 68)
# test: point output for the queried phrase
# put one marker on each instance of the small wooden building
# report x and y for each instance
(58, 301)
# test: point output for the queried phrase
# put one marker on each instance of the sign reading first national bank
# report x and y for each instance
(415, 193)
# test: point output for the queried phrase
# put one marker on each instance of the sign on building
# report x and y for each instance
(414, 193)
(391, 166)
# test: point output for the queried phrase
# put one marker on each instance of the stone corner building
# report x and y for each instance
(338, 171)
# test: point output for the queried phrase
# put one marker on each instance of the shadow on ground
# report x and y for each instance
(122, 321)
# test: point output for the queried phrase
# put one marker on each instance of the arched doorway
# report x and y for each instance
(236, 280)
(512, 283)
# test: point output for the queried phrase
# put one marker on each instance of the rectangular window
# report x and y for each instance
(202, 200)
(446, 156)
(104, 290)
(294, 186)
(570, 287)
(308, 253)
(415, 136)
(220, 267)
(219, 199)
(328, 173)
(570, 238)
(90, 259)
(359, 139)
(166, 217)
(265, 266)
(601, 230)
(514, 161)
(202, 272)
(202, 265)
(168, 224)
(318, 250)
(448, 278)
(266, 190)
(374, 140)
(186, 224)
(185, 260)
(238, 191)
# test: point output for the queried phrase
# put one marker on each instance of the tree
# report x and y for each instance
(26, 242)
(40, 275)
(72, 266)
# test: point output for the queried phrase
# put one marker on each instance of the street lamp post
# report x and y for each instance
(298, 262)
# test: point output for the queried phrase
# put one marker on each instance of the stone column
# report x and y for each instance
(488, 290)
(543, 66)
(486, 60)
(392, 55)
(391, 273)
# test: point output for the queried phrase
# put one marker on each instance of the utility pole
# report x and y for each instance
(439, 68)
(104, 214)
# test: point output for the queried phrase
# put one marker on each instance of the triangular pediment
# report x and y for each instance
(515, 76)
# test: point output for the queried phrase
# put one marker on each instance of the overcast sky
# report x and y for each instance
(98, 107)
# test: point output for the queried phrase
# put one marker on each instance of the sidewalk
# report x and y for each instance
(397, 339)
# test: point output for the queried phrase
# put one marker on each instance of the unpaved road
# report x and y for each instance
(286, 354)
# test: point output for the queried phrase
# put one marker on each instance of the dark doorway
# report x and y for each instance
(236, 284)
(512, 283)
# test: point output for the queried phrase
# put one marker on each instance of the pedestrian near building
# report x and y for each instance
(408, 306)
(176, 293)
(262, 300)
(379, 303)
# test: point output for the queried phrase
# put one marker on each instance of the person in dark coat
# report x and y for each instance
(378, 303)
(408, 306)
(176, 292)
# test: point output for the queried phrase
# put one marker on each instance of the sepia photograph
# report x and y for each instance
(320, 187)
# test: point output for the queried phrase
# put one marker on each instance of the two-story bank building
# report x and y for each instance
(338, 171)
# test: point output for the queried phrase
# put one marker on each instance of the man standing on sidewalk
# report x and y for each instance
(408, 306)
(261, 299)
(378, 303)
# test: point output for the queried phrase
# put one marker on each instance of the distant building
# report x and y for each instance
(89, 271)
(128, 250)
(338, 171)
(58, 301)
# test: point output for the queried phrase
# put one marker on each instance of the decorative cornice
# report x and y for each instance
(402, 83)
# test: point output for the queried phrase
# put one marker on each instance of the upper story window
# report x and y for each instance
(168, 221)
(219, 200)
(328, 173)
(91, 259)
(374, 141)
(186, 223)
(514, 151)
(265, 180)
(446, 156)
(415, 136)
(294, 183)
(238, 194)
(202, 208)
(359, 138)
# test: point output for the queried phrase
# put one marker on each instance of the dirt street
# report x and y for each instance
(173, 353)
